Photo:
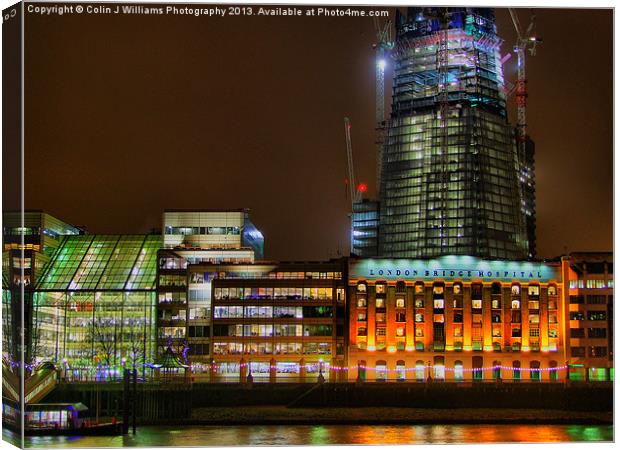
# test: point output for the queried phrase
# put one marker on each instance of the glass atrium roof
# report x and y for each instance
(102, 262)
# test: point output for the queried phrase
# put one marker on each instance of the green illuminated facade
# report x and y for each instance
(94, 305)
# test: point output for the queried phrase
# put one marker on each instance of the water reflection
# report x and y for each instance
(330, 435)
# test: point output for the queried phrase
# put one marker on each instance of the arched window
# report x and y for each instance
(533, 291)
(476, 365)
(438, 297)
(361, 287)
(400, 287)
(457, 288)
(400, 370)
(535, 370)
(381, 370)
(496, 289)
(516, 346)
(381, 288)
(516, 370)
(515, 290)
(361, 370)
(553, 371)
(497, 370)
(476, 291)
(419, 370)
(419, 288)
(439, 368)
(458, 371)
(552, 290)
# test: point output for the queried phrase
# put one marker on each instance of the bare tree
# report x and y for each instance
(103, 339)
(136, 350)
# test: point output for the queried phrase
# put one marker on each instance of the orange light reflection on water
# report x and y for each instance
(332, 435)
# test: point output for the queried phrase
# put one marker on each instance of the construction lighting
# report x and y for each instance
(381, 64)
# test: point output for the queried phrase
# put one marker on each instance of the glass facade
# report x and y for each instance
(365, 223)
(450, 168)
(94, 307)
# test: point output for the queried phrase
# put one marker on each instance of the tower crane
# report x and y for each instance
(355, 190)
(385, 43)
(525, 41)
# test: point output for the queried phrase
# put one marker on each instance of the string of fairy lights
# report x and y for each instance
(418, 367)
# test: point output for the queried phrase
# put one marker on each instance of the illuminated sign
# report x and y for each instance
(453, 268)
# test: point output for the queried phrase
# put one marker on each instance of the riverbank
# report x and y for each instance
(281, 415)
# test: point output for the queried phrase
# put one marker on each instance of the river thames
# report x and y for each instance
(216, 436)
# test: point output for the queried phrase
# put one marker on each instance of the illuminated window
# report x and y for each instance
(419, 332)
(380, 317)
(533, 291)
(400, 331)
(552, 290)
(496, 303)
(476, 304)
(419, 303)
(497, 330)
(380, 331)
(361, 287)
(597, 315)
(458, 330)
(380, 288)
(515, 289)
(361, 317)
(577, 315)
(438, 304)
(380, 302)
(457, 288)
(438, 289)
(361, 302)
(419, 317)
(516, 304)
(400, 302)
(553, 317)
(553, 332)
(419, 288)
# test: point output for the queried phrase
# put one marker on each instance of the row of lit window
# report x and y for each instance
(293, 293)
(591, 284)
(269, 348)
(533, 290)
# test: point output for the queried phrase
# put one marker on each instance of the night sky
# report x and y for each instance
(129, 115)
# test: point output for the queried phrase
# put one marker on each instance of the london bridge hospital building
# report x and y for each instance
(457, 318)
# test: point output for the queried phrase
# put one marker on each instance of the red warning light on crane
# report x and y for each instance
(362, 187)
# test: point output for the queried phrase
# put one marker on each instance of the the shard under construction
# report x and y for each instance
(450, 169)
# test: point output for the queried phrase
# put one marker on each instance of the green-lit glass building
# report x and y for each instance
(94, 305)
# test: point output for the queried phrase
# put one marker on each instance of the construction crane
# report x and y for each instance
(385, 43)
(525, 41)
(355, 190)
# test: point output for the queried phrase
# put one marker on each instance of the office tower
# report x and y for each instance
(450, 172)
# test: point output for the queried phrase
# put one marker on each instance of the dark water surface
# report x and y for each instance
(330, 435)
